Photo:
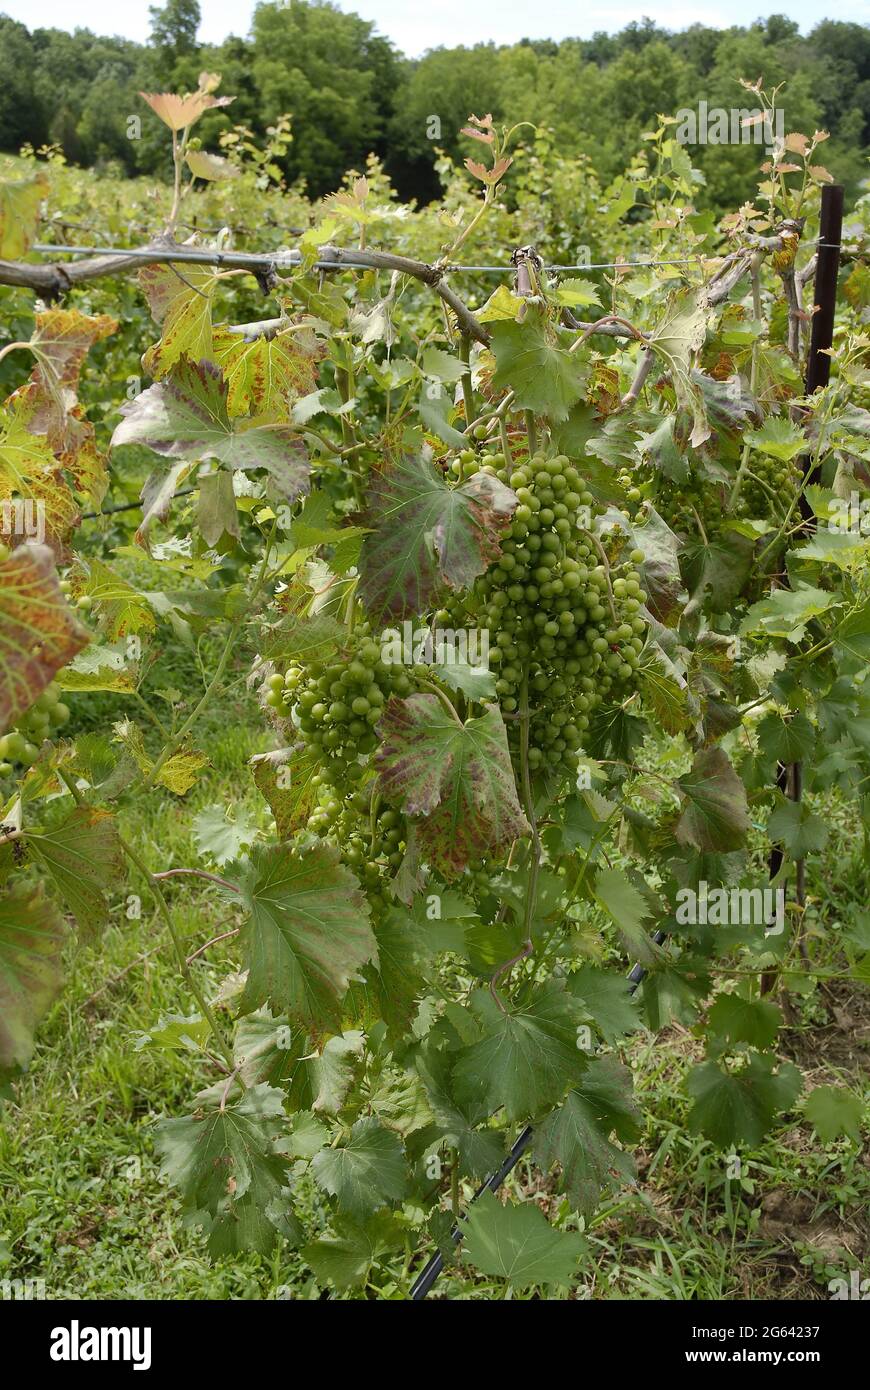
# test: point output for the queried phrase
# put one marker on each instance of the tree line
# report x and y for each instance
(350, 92)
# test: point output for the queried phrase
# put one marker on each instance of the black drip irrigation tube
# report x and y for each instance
(424, 1281)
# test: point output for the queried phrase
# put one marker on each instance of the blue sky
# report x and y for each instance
(415, 27)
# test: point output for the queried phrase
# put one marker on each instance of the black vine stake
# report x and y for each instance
(818, 374)
(818, 371)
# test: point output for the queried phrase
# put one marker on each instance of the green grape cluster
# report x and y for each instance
(20, 747)
(679, 504)
(768, 487)
(336, 704)
(554, 609)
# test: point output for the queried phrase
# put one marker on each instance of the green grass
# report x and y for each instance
(82, 1205)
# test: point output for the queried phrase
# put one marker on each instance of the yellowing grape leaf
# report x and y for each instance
(122, 609)
(62, 339)
(39, 632)
(456, 777)
(178, 112)
(31, 937)
(180, 300)
(265, 374)
(30, 474)
(180, 772)
(210, 166)
(19, 214)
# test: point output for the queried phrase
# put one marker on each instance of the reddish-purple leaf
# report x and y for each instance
(456, 777)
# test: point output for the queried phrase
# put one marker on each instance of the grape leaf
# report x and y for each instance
(426, 535)
(787, 740)
(39, 632)
(480, 1149)
(265, 374)
(736, 1020)
(833, 1111)
(364, 1174)
(180, 111)
(19, 214)
(180, 300)
(714, 815)
(626, 905)
(221, 838)
(216, 511)
(344, 1256)
(607, 998)
(676, 341)
(64, 337)
(184, 416)
(31, 938)
(526, 1058)
(739, 1107)
(544, 376)
(307, 934)
(517, 1243)
(123, 609)
(576, 1134)
(32, 477)
(456, 777)
(799, 829)
(223, 1159)
(285, 780)
(778, 437)
(660, 568)
(786, 612)
(82, 857)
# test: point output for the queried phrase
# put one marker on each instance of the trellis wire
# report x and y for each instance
(280, 260)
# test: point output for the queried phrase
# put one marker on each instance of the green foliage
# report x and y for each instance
(456, 850)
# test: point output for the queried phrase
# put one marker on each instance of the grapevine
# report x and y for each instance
(629, 521)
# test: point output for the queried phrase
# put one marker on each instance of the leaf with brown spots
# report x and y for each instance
(39, 633)
(264, 375)
(456, 777)
(63, 338)
(180, 300)
(427, 535)
(30, 473)
(185, 416)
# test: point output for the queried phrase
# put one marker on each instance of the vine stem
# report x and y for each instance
(14, 347)
(531, 431)
(196, 873)
(535, 860)
(467, 390)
